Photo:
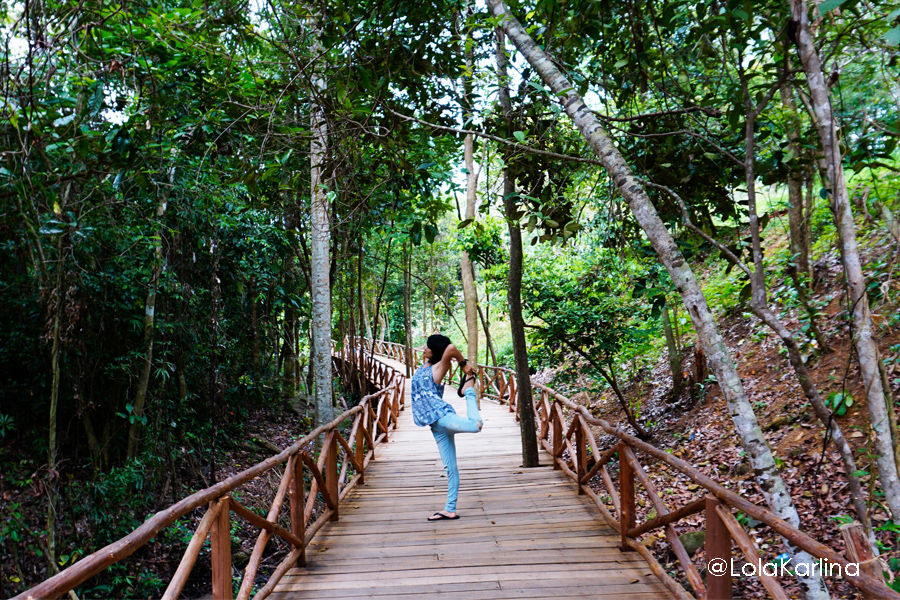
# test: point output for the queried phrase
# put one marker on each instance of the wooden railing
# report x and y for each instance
(566, 432)
(372, 419)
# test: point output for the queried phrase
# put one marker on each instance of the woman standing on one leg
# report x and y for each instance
(429, 408)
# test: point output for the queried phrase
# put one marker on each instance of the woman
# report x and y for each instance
(429, 408)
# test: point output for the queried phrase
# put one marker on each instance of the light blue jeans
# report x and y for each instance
(444, 430)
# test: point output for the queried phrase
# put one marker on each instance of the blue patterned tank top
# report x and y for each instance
(428, 398)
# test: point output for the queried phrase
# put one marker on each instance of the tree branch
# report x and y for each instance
(712, 112)
(690, 225)
(517, 145)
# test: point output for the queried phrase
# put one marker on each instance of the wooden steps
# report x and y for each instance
(523, 533)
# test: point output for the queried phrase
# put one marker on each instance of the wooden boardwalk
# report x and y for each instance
(523, 533)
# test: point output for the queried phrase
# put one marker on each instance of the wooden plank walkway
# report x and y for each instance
(523, 533)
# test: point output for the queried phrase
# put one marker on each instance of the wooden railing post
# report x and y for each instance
(580, 457)
(220, 550)
(395, 405)
(385, 405)
(331, 472)
(557, 440)
(360, 449)
(546, 420)
(626, 496)
(298, 502)
(718, 549)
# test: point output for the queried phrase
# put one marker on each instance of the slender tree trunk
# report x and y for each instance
(799, 269)
(878, 396)
(140, 396)
(55, 351)
(320, 252)
(610, 376)
(254, 332)
(379, 321)
(369, 334)
(214, 377)
(760, 307)
(363, 316)
(890, 221)
(676, 359)
(431, 293)
(527, 428)
(752, 439)
(486, 325)
(467, 268)
(289, 379)
(407, 310)
(800, 243)
(92, 440)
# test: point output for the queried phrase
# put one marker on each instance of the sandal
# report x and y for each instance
(441, 517)
(465, 379)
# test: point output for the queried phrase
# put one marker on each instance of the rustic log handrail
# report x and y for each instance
(573, 452)
(328, 479)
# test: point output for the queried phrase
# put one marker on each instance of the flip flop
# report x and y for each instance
(441, 517)
(459, 390)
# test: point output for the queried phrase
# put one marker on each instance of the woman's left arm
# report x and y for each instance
(443, 366)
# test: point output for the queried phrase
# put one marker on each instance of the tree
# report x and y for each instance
(530, 455)
(753, 441)
(320, 245)
(882, 418)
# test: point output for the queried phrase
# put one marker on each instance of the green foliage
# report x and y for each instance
(7, 425)
(585, 309)
(839, 402)
(483, 240)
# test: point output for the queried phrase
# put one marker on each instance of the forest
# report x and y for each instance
(681, 212)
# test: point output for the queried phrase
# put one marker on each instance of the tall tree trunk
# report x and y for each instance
(759, 304)
(407, 309)
(890, 221)
(467, 269)
(320, 251)
(799, 269)
(676, 359)
(800, 243)
(527, 428)
(289, 366)
(214, 377)
(55, 351)
(752, 439)
(379, 321)
(365, 311)
(431, 293)
(486, 325)
(140, 396)
(879, 399)
(254, 332)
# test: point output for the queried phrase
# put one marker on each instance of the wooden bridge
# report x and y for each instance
(359, 528)
(523, 533)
